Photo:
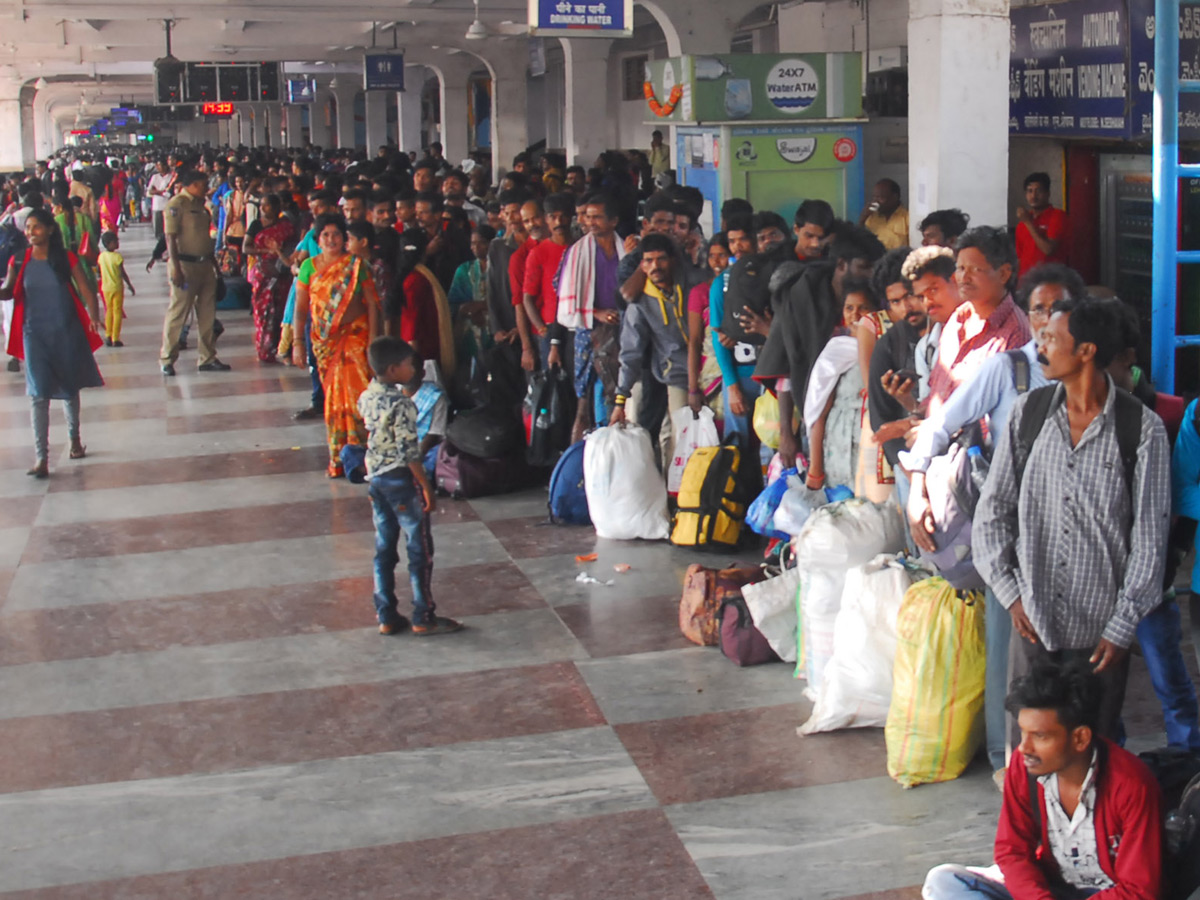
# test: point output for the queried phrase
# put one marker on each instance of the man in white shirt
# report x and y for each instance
(159, 192)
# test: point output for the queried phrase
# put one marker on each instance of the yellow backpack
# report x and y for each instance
(712, 501)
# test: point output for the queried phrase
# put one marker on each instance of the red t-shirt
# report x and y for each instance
(540, 269)
(1053, 222)
(419, 319)
(516, 270)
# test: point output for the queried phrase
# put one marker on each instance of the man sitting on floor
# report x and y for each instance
(1094, 826)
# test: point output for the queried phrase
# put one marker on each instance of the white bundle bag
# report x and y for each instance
(692, 431)
(855, 690)
(626, 496)
(849, 533)
(819, 600)
(796, 506)
(773, 609)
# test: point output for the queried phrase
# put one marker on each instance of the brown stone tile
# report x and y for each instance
(907, 893)
(102, 476)
(20, 457)
(148, 534)
(193, 620)
(747, 751)
(630, 856)
(623, 625)
(195, 390)
(534, 536)
(6, 580)
(229, 421)
(113, 412)
(291, 726)
(16, 512)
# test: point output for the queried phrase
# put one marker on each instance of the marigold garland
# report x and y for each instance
(662, 110)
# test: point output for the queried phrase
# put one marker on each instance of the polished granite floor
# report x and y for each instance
(194, 702)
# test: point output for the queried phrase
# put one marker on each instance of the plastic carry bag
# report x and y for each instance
(625, 493)
(772, 606)
(762, 510)
(856, 687)
(795, 507)
(936, 719)
(766, 419)
(692, 431)
(851, 533)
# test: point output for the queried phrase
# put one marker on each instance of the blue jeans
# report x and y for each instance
(998, 633)
(1159, 635)
(741, 425)
(396, 506)
(318, 391)
(951, 882)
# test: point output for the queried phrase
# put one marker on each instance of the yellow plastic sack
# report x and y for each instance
(935, 722)
(766, 419)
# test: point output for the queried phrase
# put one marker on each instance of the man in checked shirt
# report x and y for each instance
(1072, 549)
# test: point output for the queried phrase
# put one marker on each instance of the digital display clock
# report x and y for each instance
(224, 109)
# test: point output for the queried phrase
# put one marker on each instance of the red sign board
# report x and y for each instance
(216, 109)
(81, 131)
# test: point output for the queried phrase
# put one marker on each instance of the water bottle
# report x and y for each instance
(978, 466)
(1178, 829)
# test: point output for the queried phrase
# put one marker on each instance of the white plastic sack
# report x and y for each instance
(772, 606)
(849, 533)
(692, 431)
(820, 600)
(625, 492)
(796, 507)
(856, 687)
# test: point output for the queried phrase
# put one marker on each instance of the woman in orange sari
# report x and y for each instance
(337, 289)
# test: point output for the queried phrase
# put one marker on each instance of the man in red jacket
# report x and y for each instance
(1093, 827)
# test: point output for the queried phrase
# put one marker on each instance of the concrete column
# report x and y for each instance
(245, 135)
(344, 93)
(12, 151)
(453, 85)
(958, 107)
(510, 108)
(260, 116)
(319, 131)
(408, 109)
(294, 125)
(377, 119)
(28, 143)
(588, 121)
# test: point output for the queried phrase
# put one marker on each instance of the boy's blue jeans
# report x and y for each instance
(1159, 635)
(396, 506)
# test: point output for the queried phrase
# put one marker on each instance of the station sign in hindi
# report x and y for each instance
(1069, 69)
(581, 18)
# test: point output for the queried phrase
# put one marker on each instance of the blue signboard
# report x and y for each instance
(1141, 75)
(581, 18)
(301, 90)
(1068, 71)
(383, 72)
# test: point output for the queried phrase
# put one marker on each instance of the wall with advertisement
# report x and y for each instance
(755, 87)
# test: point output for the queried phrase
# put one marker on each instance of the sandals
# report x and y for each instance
(41, 470)
(78, 451)
(436, 625)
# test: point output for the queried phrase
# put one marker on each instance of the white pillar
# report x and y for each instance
(454, 113)
(958, 108)
(510, 101)
(260, 118)
(588, 120)
(377, 119)
(294, 125)
(245, 135)
(320, 131)
(345, 113)
(408, 109)
(12, 151)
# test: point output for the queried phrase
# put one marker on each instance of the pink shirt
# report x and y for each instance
(968, 340)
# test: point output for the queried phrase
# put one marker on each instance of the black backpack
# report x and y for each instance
(550, 415)
(12, 245)
(1127, 411)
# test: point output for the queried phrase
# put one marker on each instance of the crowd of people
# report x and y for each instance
(413, 288)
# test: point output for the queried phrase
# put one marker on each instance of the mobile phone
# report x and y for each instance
(907, 375)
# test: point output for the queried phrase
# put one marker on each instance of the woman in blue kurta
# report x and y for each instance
(52, 331)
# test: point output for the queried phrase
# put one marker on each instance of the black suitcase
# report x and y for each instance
(488, 432)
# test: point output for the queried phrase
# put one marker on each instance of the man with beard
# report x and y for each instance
(1081, 815)
(454, 193)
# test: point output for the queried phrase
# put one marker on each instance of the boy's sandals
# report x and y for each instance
(436, 625)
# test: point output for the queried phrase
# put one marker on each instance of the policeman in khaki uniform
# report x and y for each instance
(193, 273)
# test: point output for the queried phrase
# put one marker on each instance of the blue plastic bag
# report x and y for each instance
(762, 510)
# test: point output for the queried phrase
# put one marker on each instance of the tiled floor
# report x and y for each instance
(194, 702)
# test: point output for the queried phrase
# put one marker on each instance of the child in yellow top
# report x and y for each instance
(113, 280)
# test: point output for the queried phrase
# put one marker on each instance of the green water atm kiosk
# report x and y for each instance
(775, 129)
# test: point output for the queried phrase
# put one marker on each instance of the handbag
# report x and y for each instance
(772, 608)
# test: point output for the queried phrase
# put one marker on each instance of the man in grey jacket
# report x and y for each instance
(657, 322)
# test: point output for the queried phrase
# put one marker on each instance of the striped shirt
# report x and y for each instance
(1084, 557)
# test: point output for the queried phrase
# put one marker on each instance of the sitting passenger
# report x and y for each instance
(1096, 826)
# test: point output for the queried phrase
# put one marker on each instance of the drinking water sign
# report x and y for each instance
(581, 18)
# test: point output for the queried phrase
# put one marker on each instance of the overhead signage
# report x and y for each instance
(383, 72)
(1141, 75)
(1068, 70)
(301, 90)
(220, 108)
(581, 18)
